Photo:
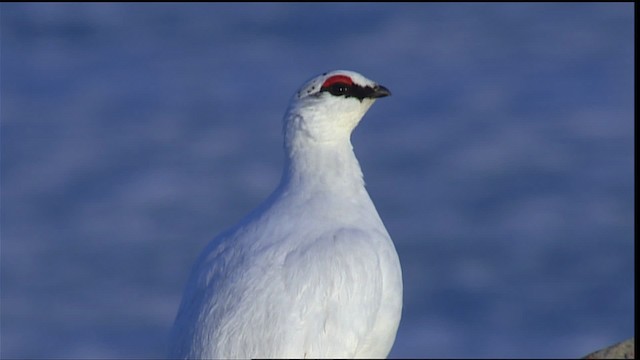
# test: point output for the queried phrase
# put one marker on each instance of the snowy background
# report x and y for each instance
(502, 165)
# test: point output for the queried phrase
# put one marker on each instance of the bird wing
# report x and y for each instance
(335, 287)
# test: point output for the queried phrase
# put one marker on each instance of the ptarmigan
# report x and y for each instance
(312, 272)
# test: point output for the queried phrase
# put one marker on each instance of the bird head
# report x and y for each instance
(328, 107)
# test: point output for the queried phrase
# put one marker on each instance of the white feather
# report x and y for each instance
(310, 273)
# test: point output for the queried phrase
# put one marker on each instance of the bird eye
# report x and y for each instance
(338, 89)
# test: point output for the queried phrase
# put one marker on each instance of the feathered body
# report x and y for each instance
(312, 272)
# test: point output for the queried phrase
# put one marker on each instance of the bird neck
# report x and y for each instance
(327, 165)
(318, 150)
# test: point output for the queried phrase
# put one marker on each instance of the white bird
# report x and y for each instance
(312, 272)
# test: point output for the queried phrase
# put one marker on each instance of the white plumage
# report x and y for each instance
(312, 272)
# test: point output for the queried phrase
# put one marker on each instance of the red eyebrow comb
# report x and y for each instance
(337, 79)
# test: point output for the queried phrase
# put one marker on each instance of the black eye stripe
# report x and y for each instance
(339, 88)
(348, 90)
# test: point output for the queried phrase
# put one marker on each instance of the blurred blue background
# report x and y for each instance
(502, 165)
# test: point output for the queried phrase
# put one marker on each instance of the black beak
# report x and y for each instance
(379, 91)
(367, 92)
